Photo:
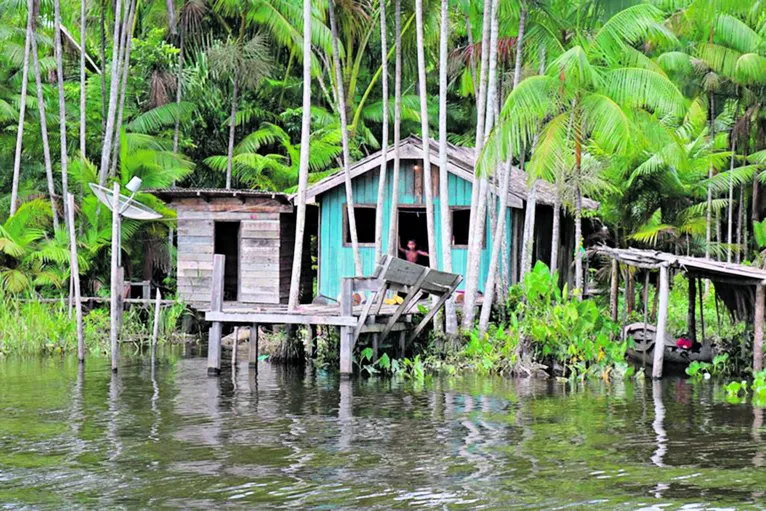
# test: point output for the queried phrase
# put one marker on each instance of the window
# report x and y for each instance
(365, 225)
(460, 227)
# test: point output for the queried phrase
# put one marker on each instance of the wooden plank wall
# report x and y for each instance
(259, 259)
(195, 258)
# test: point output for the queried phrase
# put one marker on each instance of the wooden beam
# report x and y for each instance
(216, 305)
(279, 318)
(412, 297)
(662, 320)
(252, 352)
(346, 332)
(613, 290)
(691, 316)
(760, 299)
(434, 309)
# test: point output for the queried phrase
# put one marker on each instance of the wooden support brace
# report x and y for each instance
(412, 297)
(760, 301)
(252, 349)
(434, 309)
(216, 305)
(346, 332)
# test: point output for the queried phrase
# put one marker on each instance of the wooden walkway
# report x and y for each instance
(416, 283)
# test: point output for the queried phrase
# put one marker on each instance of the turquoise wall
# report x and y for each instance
(337, 261)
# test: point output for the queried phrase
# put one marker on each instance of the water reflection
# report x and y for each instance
(167, 435)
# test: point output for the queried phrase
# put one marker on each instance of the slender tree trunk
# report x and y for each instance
(446, 220)
(730, 222)
(44, 133)
(83, 22)
(499, 232)
(384, 137)
(424, 128)
(555, 237)
(62, 103)
(709, 219)
(393, 245)
(232, 129)
(478, 192)
(740, 221)
(102, 56)
(106, 150)
(179, 85)
(471, 57)
(303, 172)
(22, 110)
(74, 269)
(578, 239)
(344, 141)
(125, 63)
(171, 16)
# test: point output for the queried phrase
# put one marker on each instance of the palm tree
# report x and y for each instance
(120, 25)
(341, 96)
(247, 63)
(587, 85)
(22, 108)
(58, 50)
(384, 137)
(83, 20)
(303, 172)
(394, 215)
(427, 180)
(446, 220)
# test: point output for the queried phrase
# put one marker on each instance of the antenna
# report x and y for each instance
(129, 208)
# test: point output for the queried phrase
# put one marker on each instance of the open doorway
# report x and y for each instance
(413, 227)
(227, 243)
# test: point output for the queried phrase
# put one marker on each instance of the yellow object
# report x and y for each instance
(396, 300)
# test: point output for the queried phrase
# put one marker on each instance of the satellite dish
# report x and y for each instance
(128, 207)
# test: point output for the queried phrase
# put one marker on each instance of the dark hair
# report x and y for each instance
(412, 240)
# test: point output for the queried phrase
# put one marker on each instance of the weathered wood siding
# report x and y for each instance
(260, 247)
(336, 260)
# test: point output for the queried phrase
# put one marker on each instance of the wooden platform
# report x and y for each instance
(415, 284)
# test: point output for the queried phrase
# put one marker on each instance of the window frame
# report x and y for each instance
(452, 210)
(344, 207)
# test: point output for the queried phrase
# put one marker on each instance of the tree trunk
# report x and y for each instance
(446, 220)
(22, 110)
(730, 222)
(478, 192)
(556, 234)
(74, 270)
(125, 62)
(424, 128)
(529, 230)
(471, 55)
(62, 103)
(740, 221)
(303, 172)
(106, 150)
(614, 289)
(709, 216)
(171, 16)
(393, 224)
(44, 134)
(179, 85)
(578, 240)
(691, 318)
(232, 129)
(102, 56)
(83, 22)
(384, 137)
(344, 140)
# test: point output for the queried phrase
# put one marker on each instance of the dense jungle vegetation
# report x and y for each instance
(653, 108)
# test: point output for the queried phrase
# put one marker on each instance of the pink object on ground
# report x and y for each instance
(684, 343)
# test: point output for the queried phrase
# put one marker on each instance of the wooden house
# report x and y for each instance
(335, 254)
(255, 230)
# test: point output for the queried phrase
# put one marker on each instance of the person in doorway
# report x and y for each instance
(411, 252)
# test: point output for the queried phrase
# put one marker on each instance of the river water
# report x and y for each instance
(304, 439)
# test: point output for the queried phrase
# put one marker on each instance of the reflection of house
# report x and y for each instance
(254, 230)
(335, 253)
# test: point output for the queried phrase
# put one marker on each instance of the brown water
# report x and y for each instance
(306, 440)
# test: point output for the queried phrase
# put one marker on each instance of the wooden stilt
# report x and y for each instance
(613, 290)
(691, 316)
(646, 313)
(313, 340)
(402, 343)
(346, 333)
(116, 291)
(74, 271)
(374, 347)
(216, 305)
(662, 319)
(252, 351)
(156, 329)
(702, 314)
(760, 299)
(234, 349)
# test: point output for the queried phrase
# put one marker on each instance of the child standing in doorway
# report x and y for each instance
(411, 252)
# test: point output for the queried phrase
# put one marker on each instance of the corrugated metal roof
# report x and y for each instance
(205, 193)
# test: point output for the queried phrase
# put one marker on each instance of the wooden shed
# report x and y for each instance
(255, 230)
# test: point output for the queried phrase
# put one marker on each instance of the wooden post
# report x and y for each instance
(402, 343)
(702, 314)
(760, 298)
(116, 290)
(216, 305)
(613, 290)
(662, 320)
(120, 296)
(346, 333)
(313, 340)
(691, 316)
(374, 347)
(146, 290)
(74, 270)
(234, 349)
(156, 329)
(252, 352)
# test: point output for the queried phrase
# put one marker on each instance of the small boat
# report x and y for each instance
(644, 335)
